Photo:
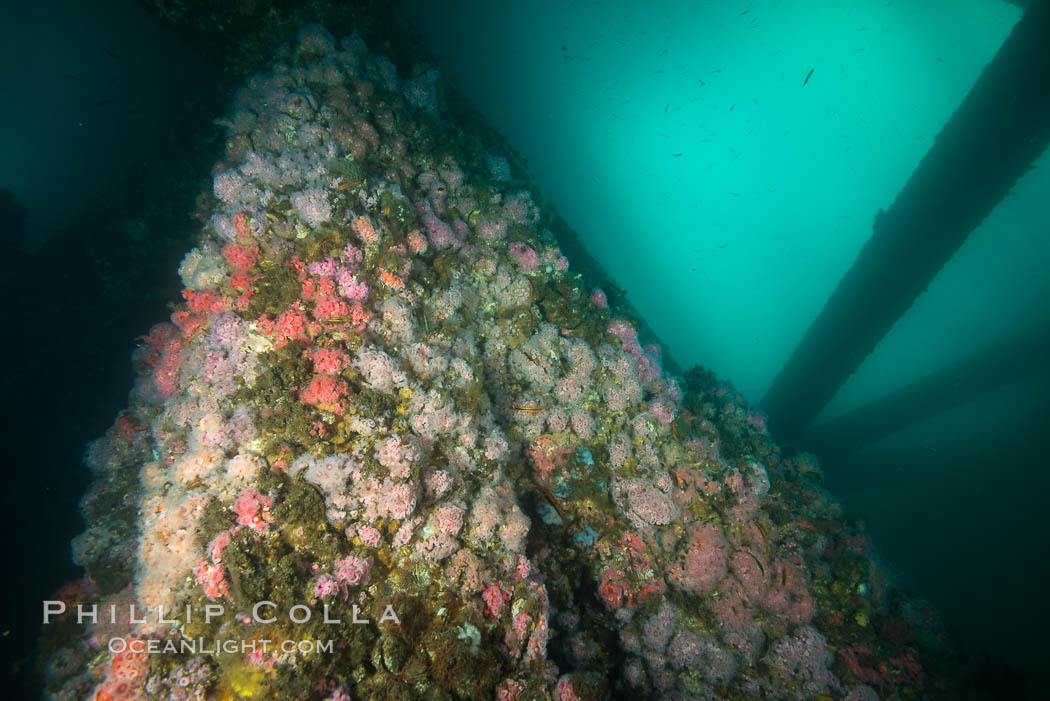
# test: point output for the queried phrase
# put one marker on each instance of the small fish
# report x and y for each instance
(666, 49)
(666, 106)
(675, 155)
(67, 76)
(718, 70)
(731, 108)
(701, 81)
(808, 76)
(105, 101)
(112, 54)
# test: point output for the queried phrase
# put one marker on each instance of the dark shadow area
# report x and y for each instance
(984, 569)
(74, 306)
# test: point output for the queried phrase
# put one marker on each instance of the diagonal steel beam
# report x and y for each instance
(991, 140)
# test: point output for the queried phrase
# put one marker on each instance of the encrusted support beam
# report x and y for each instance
(994, 367)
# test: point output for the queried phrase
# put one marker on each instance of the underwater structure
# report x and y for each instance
(391, 445)
(992, 139)
(1003, 362)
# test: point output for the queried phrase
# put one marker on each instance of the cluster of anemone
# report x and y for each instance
(388, 388)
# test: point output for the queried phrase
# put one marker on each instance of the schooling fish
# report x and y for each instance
(808, 76)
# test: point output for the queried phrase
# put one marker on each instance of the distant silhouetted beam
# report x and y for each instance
(939, 391)
(994, 136)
